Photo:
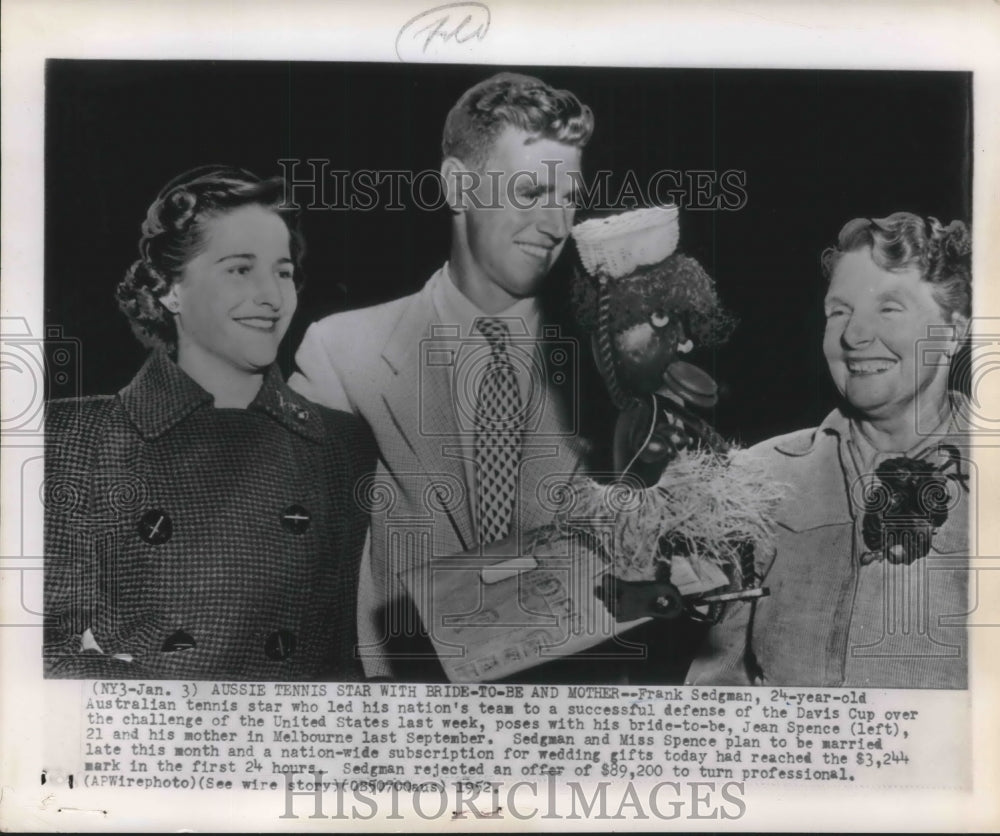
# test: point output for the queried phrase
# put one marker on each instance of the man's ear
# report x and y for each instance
(457, 181)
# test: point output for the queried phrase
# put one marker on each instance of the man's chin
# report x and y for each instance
(525, 288)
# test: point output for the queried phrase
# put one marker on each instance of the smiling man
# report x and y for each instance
(459, 381)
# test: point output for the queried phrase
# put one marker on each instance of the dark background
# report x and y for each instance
(818, 149)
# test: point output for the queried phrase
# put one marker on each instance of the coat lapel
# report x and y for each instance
(419, 399)
(815, 462)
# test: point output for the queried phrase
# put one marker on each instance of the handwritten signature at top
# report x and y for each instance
(452, 23)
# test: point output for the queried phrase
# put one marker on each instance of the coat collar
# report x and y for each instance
(161, 395)
(419, 398)
(814, 459)
(402, 349)
(820, 459)
(837, 425)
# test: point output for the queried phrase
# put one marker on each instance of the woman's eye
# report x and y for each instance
(286, 274)
(240, 269)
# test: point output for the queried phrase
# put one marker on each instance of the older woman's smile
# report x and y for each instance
(870, 365)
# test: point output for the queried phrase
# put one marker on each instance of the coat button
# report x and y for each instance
(178, 641)
(279, 645)
(295, 519)
(155, 527)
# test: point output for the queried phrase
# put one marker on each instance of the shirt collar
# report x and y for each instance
(835, 424)
(162, 395)
(839, 426)
(866, 457)
(455, 308)
(825, 456)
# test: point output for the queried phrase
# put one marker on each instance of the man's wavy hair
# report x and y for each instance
(941, 253)
(174, 232)
(520, 101)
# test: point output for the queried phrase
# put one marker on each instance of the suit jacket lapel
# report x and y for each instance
(419, 399)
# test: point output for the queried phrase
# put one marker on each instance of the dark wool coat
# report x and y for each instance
(189, 542)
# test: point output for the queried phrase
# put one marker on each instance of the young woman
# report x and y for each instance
(202, 522)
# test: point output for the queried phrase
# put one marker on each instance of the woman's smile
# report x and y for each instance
(268, 324)
(865, 366)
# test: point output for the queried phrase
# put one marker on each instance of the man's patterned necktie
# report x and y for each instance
(499, 423)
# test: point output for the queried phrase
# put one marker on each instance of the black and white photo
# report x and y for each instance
(470, 413)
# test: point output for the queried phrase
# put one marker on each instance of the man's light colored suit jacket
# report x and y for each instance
(382, 364)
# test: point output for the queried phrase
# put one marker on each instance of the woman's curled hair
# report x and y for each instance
(941, 253)
(174, 232)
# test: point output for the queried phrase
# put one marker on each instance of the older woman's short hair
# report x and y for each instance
(173, 233)
(941, 253)
(520, 101)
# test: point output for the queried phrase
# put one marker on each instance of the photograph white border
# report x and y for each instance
(823, 35)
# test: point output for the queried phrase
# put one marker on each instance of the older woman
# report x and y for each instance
(869, 582)
(201, 523)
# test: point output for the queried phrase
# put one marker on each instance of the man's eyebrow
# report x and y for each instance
(834, 300)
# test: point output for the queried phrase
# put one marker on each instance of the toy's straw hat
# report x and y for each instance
(619, 245)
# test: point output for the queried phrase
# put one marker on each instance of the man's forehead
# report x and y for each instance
(518, 150)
